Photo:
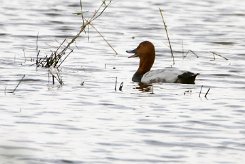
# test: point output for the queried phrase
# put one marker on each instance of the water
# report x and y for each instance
(93, 123)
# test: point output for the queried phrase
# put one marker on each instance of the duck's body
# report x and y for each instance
(146, 52)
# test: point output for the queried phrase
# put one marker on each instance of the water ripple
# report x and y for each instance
(88, 119)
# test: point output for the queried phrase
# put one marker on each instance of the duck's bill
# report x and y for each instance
(132, 51)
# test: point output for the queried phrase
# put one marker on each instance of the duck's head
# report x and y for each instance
(146, 52)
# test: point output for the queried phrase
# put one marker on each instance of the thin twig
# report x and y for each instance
(53, 79)
(166, 30)
(18, 84)
(86, 23)
(96, 15)
(55, 75)
(104, 39)
(214, 53)
(59, 79)
(200, 91)
(116, 84)
(207, 93)
(190, 51)
(88, 32)
(37, 60)
(57, 57)
(64, 58)
(60, 45)
(81, 5)
(37, 42)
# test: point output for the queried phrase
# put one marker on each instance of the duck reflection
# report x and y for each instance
(144, 87)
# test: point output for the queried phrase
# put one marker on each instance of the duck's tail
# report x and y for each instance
(187, 78)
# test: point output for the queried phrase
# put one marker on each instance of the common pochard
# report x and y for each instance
(146, 52)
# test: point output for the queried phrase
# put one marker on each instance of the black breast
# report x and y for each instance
(137, 77)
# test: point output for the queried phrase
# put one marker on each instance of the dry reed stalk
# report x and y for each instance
(57, 57)
(18, 84)
(200, 91)
(104, 38)
(87, 22)
(214, 53)
(116, 84)
(55, 72)
(37, 42)
(207, 93)
(190, 51)
(166, 30)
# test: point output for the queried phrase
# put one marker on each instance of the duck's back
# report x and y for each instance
(167, 75)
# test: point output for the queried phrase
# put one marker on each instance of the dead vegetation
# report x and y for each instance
(185, 54)
(58, 56)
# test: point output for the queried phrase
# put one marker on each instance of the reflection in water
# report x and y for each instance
(144, 87)
(42, 123)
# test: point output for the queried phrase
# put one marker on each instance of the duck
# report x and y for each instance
(146, 53)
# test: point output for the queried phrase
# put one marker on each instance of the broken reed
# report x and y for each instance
(205, 93)
(189, 51)
(17, 85)
(215, 54)
(192, 52)
(120, 87)
(62, 52)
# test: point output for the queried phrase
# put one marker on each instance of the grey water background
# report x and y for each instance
(93, 123)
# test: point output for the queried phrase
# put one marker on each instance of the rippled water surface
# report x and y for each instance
(86, 120)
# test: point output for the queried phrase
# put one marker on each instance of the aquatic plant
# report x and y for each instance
(189, 51)
(62, 52)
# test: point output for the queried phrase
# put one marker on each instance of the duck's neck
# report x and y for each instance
(144, 66)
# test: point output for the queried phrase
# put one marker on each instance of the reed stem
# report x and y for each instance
(214, 53)
(18, 84)
(104, 39)
(166, 30)
(207, 93)
(200, 91)
(116, 84)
